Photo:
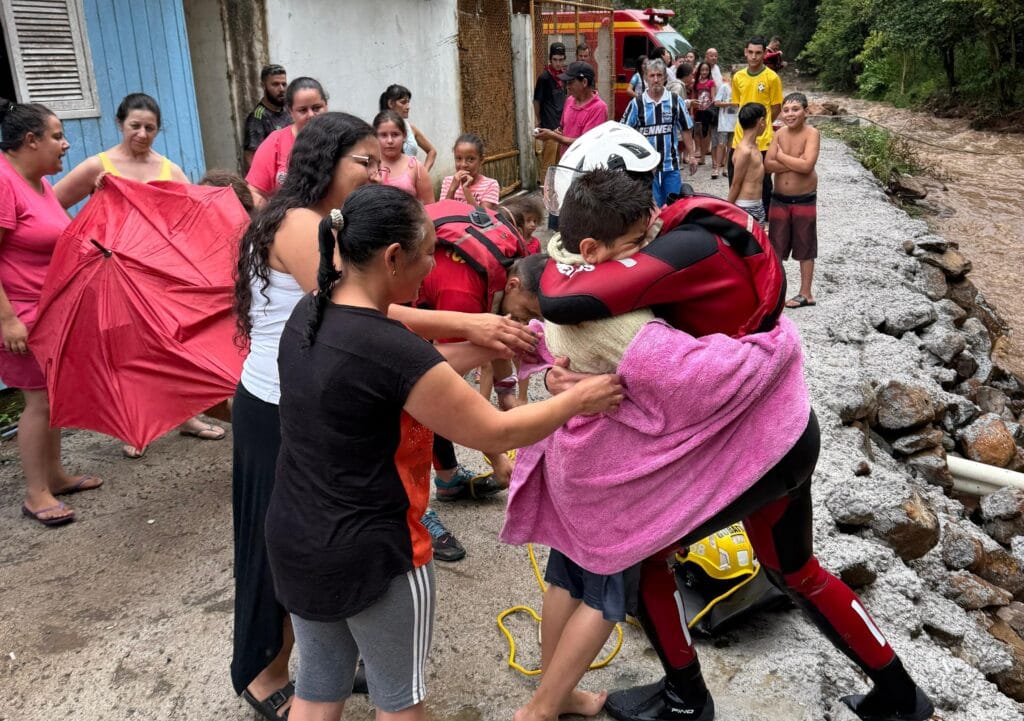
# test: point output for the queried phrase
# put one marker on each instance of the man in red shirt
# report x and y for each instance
(584, 111)
(455, 285)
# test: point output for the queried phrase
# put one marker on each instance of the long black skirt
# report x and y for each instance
(259, 618)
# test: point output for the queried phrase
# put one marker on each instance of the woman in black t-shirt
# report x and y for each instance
(359, 395)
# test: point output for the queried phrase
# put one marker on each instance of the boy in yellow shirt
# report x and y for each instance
(757, 84)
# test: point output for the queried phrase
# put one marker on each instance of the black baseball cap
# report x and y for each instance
(578, 69)
(556, 49)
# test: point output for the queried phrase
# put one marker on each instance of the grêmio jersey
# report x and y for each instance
(660, 121)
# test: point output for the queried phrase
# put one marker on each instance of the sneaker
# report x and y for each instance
(446, 546)
(466, 484)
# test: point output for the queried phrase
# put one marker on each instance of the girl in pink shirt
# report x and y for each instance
(31, 220)
(398, 169)
(468, 185)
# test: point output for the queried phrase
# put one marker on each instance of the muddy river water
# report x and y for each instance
(985, 194)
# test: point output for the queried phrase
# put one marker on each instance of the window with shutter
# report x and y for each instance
(49, 51)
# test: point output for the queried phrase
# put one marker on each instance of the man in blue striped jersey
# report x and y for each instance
(662, 118)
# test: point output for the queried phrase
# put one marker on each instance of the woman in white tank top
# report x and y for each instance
(278, 265)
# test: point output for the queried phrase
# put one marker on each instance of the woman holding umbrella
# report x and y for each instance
(138, 117)
(278, 262)
(31, 220)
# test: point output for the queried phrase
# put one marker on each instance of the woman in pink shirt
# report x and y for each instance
(586, 110)
(31, 220)
(305, 98)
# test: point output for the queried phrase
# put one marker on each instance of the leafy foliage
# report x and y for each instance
(878, 150)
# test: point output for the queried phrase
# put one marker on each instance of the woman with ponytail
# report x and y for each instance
(31, 219)
(333, 155)
(360, 395)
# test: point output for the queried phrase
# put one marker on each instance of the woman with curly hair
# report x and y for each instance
(278, 262)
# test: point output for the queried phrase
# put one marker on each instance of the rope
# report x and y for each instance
(536, 617)
(911, 138)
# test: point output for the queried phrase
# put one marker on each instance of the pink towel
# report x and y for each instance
(703, 420)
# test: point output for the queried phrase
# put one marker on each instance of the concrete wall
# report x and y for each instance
(219, 123)
(523, 77)
(357, 48)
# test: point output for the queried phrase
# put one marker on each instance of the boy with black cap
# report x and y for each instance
(548, 101)
(586, 110)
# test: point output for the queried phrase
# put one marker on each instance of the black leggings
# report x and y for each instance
(444, 454)
(777, 514)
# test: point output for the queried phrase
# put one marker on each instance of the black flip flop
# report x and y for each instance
(801, 302)
(267, 708)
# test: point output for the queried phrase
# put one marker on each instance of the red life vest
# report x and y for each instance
(482, 238)
(711, 270)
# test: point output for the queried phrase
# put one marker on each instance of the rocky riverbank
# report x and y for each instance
(127, 613)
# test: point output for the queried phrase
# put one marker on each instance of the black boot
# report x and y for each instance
(680, 696)
(895, 697)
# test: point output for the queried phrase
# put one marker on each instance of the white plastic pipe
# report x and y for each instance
(978, 478)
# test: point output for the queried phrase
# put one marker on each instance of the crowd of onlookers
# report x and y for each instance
(341, 411)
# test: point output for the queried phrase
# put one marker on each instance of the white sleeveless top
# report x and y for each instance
(410, 147)
(269, 314)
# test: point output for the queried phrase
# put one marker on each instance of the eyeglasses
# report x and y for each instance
(371, 164)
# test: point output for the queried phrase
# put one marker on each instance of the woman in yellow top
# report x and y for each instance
(138, 117)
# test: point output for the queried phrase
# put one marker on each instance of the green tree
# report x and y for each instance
(791, 20)
(843, 28)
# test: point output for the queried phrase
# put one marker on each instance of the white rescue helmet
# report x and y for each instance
(610, 145)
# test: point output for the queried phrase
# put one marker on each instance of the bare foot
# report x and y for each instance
(528, 714)
(585, 703)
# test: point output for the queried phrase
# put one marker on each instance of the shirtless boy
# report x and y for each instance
(793, 218)
(748, 168)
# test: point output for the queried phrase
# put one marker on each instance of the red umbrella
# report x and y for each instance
(135, 330)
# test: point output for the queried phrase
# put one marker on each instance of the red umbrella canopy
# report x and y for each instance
(135, 330)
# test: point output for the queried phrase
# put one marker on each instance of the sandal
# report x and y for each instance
(80, 486)
(267, 708)
(52, 521)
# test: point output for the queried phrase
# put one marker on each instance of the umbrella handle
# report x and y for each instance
(106, 252)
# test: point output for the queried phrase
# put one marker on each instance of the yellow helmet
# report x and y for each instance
(724, 555)
(720, 581)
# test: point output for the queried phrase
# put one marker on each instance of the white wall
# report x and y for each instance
(523, 78)
(356, 48)
(220, 128)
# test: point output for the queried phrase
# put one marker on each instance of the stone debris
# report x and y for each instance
(904, 405)
(987, 440)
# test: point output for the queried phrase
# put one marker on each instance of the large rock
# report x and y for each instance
(853, 401)
(943, 340)
(1014, 616)
(911, 528)
(1002, 513)
(988, 440)
(1008, 357)
(951, 262)
(930, 464)
(959, 411)
(948, 309)
(904, 405)
(932, 282)
(973, 592)
(966, 295)
(919, 440)
(907, 187)
(899, 318)
(991, 400)
(965, 546)
(1011, 680)
(934, 243)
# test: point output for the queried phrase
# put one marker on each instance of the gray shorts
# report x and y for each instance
(392, 636)
(721, 138)
(755, 208)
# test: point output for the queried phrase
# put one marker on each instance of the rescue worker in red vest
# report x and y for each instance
(457, 285)
(776, 508)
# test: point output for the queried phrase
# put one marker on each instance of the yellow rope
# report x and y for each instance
(536, 617)
(711, 604)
